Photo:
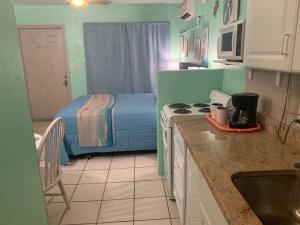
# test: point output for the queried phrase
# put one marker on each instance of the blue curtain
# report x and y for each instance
(124, 57)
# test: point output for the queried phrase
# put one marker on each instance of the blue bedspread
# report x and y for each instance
(134, 123)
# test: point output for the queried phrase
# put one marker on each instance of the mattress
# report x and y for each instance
(134, 125)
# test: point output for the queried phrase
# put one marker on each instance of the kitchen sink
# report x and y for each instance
(275, 199)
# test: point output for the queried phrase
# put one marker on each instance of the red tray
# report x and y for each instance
(226, 127)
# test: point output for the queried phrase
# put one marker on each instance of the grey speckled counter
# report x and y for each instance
(219, 155)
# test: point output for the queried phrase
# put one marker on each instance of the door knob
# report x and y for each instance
(66, 82)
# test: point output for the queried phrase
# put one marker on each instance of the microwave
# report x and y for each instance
(231, 40)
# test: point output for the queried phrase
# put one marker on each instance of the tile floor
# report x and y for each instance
(40, 127)
(112, 190)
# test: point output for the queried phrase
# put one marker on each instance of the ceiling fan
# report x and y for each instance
(84, 3)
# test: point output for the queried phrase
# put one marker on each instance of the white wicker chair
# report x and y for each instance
(49, 159)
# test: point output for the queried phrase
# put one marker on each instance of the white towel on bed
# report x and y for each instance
(94, 121)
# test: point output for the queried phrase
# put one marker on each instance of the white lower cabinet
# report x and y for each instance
(179, 175)
(195, 202)
(201, 207)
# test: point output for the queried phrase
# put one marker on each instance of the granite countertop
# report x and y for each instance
(219, 155)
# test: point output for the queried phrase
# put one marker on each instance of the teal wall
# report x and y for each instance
(74, 18)
(213, 23)
(234, 80)
(195, 86)
(184, 86)
(20, 187)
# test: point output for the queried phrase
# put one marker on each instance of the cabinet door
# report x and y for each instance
(270, 34)
(179, 174)
(194, 215)
(201, 207)
(296, 59)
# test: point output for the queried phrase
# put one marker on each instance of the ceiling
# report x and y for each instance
(56, 2)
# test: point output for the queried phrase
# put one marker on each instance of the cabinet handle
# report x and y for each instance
(285, 44)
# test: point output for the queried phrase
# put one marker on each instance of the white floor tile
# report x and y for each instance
(55, 213)
(75, 164)
(117, 207)
(121, 175)
(153, 222)
(116, 211)
(88, 192)
(151, 208)
(123, 190)
(98, 163)
(71, 177)
(69, 189)
(81, 213)
(145, 160)
(118, 223)
(176, 222)
(40, 127)
(166, 187)
(122, 161)
(146, 173)
(173, 209)
(144, 189)
(93, 176)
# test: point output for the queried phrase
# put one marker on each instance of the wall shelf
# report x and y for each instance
(197, 26)
(229, 63)
(189, 31)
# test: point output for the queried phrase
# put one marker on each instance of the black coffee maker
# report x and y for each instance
(244, 113)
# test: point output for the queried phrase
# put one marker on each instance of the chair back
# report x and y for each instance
(49, 153)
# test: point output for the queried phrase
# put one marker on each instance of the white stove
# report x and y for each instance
(183, 109)
(186, 109)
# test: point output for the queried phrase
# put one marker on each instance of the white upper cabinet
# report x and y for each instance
(296, 60)
(270, 34)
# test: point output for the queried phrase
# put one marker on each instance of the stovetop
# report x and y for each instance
(201, 105)
(196, 108)
(184, 109)
(180, 106)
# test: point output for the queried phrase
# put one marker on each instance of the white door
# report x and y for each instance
(270, 33)
(296, 60)
(45, 64)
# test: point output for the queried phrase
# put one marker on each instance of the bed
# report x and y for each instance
(134, 125)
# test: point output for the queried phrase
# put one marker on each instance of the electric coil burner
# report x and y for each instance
(180, 106)
(204, 110)
(201, 105)
(182, 111)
